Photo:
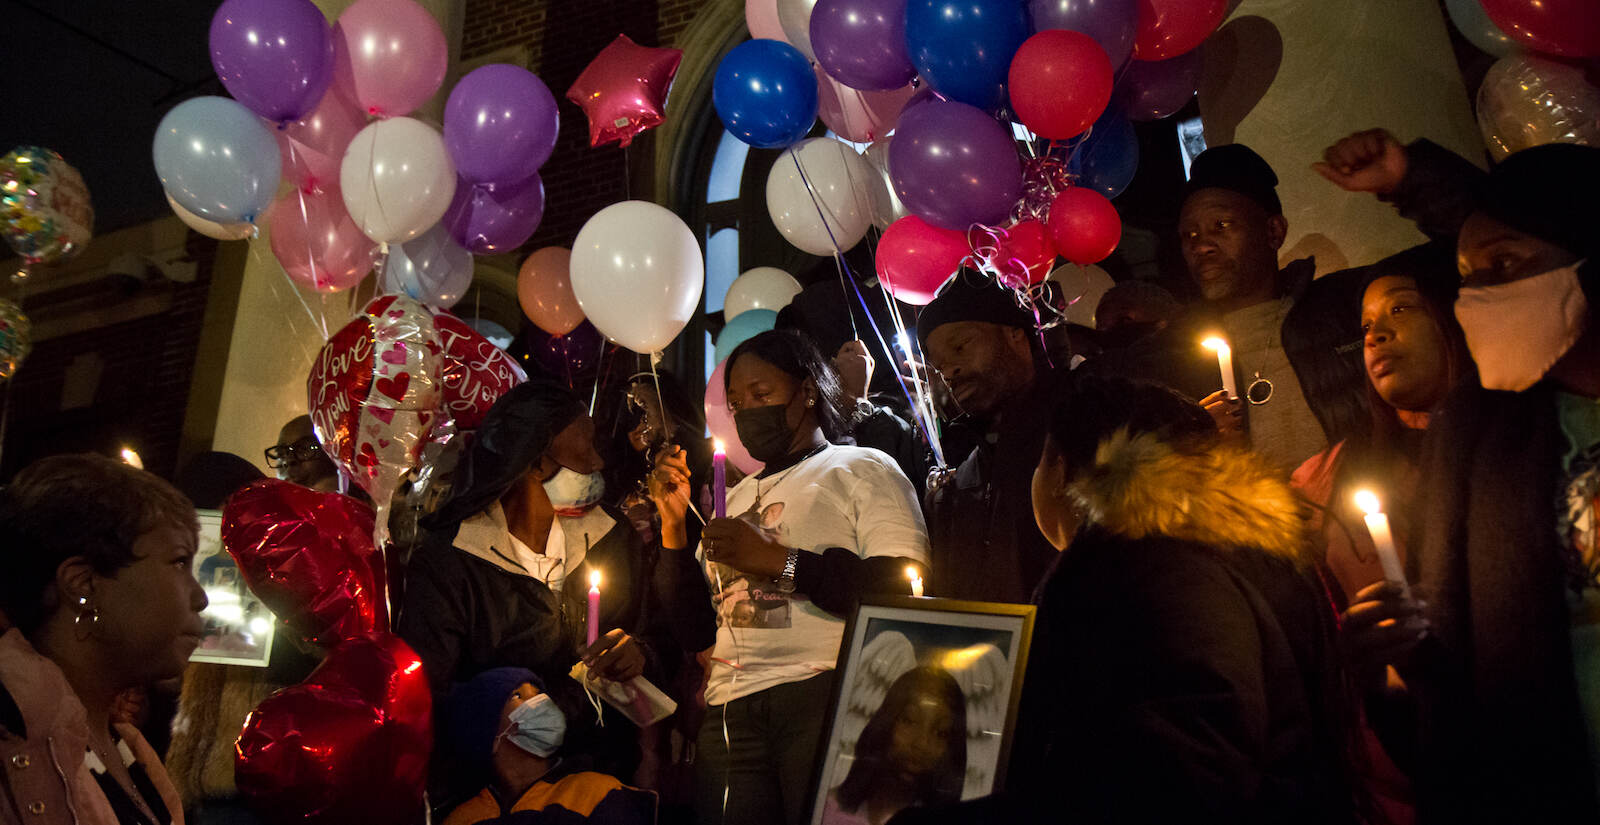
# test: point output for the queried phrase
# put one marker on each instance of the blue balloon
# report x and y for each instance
(217, 160)
(743, 327)
(963, 48)
(1108, 158)
(766, 93)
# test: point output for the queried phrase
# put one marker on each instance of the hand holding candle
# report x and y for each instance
(916, 581)
(719, 481)
(1383, 539)
(594, 608)
(1224, 363)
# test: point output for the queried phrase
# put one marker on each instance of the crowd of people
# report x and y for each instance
(1217, 637)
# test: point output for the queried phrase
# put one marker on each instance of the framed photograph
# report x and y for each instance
(238, 626)
(924, 708)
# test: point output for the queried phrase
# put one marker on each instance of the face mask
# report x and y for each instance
(764, 431)
(1517, 331)
(573, 493)
(537, 726)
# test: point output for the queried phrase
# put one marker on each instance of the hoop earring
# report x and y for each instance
(87, 618)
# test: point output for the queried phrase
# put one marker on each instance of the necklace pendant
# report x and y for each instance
(1259, 392)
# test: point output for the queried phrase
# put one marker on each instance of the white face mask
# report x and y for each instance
(1518, 331)
(537, 726)
(571, 493)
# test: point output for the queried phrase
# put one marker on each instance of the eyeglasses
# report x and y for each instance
(282, 455)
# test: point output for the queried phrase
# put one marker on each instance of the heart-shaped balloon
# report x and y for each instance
(350, 744)
(309, 556)
(474, 372)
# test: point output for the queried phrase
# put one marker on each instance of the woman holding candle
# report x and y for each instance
(820, 526)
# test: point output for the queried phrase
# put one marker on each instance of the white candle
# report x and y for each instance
(1224, 363)
(916, 581)
(1383, 540)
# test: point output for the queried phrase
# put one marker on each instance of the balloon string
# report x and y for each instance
(599, 375)
(5, 412)
(855, 332)
(272, 284)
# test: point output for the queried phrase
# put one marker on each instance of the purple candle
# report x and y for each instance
(719, 481)
(594, 606)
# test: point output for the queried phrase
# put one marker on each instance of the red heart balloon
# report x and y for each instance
(474, 372)
(350, 744)
(309, 556)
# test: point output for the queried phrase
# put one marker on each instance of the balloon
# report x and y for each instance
(862, 43)
(349, 744)
(490, 218)
(765, 93)
(1108, 158)
(430, 268)
(491, 331)
(818, 177)
(637, 272)
(856, 115)
(1474, 24)
(44, 205)
(317, 242)
(886, 205)
(309, 557)
(761, 16)
(954, 165)
(566, 357)
(915, 258)
(274, 56)
(624, 89)
(1168, 28)
(963, 47)
(473, 373)
(211, 229)
(795, 18)
(393, 56)
(1021, 255)
(216, 159)
(1060, 81)
(16, 338)
(500, 124)
(764, 287)
(741, 328)
(314, 146)
(1154, 89)
(1526, 101)
(1110, 22)
(544, 289)
(1084, 226)
(1569, 28)
(397, 178)
(719, 421)
(1081, 288)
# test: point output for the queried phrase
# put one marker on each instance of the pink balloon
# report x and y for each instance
(855, 115)
(317, 242)
(313, 146)
(762, 18)
(624, 89)
(393, 55)
(719, 420)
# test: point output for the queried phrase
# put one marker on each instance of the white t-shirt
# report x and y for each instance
(850, 497)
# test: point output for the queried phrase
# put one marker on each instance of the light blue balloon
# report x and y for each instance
(217, 159)
(1474, 24)
(743, 327)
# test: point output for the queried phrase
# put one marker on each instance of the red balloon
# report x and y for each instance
(309, 557)
(1084, 225)
(624, 89)
(474, 372)
(1060, 82)
(350, 744)
(1570, 28)
(1168, 28)
(915, 258)
(1021, 255)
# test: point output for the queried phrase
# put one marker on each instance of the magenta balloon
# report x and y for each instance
(394, 55)
(1112, 23)
(274, 56)
(954, 166)
(862, 43)
(500, 124)
(1154, 89)
(490, 218)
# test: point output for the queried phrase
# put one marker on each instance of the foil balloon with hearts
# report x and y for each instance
(374, 393)
(474, 372)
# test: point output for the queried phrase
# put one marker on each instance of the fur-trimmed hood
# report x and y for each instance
(1141, 487)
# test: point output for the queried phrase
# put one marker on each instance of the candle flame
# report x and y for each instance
(1215, 343)
(131, 458)
(1368, 502)
(719, 447)
(594, 579)
(911, 573)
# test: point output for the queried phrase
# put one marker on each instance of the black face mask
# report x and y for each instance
(764, 431)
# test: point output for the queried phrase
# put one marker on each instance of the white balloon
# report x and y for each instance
(795, 18)
(840, 180)
(209, 228)
(886, 205)
(637, 272)
(1083, 287)
(765, 287)
(397, 179)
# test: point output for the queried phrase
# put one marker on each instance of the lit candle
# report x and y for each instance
(594, 606)
(1383, 540)
(916, 581)
(131, 458)
(1224, 363)
(719, 481)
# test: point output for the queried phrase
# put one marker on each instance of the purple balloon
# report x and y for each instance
(565, 357)
(274, 56)
(954, 166)
(862, 43)
(490, 218)
(1111, 23)
(1154, 89)
(500, 124)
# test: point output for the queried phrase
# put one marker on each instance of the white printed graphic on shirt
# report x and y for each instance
(754, 601)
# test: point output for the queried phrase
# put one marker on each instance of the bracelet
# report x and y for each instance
(786, 580)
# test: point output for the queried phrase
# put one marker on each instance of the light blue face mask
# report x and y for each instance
(571, 492)
(537, 726)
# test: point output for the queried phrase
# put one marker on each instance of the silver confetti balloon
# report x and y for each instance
(16, 339)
